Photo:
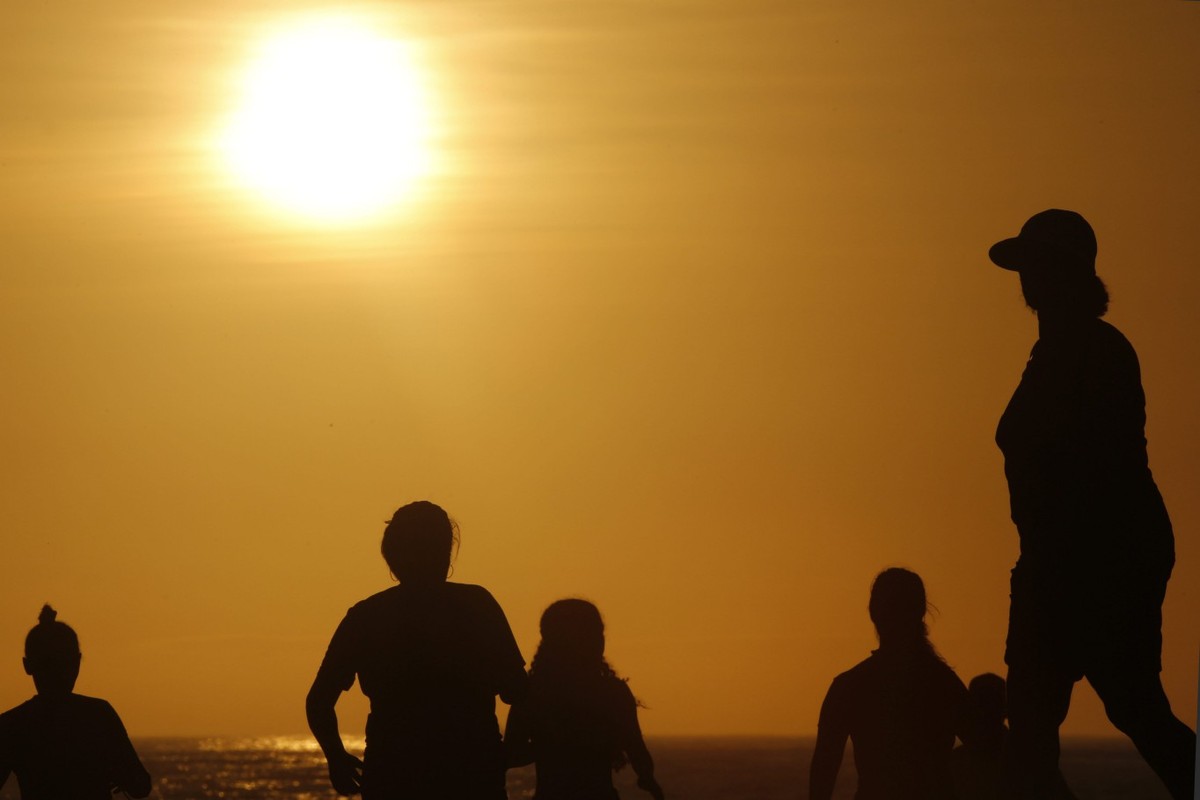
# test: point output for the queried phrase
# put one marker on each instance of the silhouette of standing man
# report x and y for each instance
(1096, 542)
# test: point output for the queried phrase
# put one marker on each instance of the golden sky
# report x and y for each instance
(693, 318)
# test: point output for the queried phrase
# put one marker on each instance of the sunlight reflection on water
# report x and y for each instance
(292, 768)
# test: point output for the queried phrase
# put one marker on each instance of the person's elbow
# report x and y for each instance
(319, 703)
(514, 689)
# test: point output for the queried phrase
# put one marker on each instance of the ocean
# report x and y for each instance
(292, 768)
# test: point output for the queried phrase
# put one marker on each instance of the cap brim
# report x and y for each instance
(1017, 254)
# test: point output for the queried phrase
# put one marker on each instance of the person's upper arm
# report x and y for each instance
(518, 747)
(504, 657)
(630, 731)
(835, 716)
(127, 770)
(340, 664)
(959, 699)
(833, 729)
(5, 763)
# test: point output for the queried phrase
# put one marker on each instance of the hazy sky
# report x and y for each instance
(693, 318)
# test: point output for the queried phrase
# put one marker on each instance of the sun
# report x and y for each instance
(332, 123)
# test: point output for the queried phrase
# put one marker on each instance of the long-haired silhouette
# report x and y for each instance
(901, 707)
(432, 656)
(579, 721)
(63, 745)
(1097, 547)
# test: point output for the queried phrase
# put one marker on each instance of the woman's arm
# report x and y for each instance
(518, 749)
(335, 675)
(832, 732)
(634, 744)
(826, 761)
(345, 770)
(128, 773)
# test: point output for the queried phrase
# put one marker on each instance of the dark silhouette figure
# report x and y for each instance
(901, 707)
(977, 762)
(579, 721)
(432, 656)
(1096, 543)
(62, 745)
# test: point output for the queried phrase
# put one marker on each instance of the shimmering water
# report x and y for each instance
(292, 768)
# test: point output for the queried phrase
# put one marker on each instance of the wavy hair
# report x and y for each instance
(569, 668)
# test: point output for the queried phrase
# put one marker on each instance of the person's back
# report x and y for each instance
(577, 736)
(431, 656)
(432, 660)
(579, 720)
(901, 707)
(901, 711)
(62, 745)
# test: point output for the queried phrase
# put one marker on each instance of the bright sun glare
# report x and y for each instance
(332, 124)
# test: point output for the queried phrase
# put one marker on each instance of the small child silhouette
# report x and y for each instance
(60, 744)
(579, 721)
(976, 764)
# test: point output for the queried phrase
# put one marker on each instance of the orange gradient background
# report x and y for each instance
(694, 319)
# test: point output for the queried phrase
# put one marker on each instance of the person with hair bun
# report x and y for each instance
(579, 721)
(902, 707)
(431, 656)
(62, 745)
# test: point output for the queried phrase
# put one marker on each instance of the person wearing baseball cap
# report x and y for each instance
(1097, 546)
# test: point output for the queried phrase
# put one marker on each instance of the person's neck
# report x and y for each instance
(1053, 323)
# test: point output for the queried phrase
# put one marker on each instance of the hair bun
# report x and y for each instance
(47, 616)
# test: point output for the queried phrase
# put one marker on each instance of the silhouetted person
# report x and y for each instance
(977, 762)
(62, 745)
(1096, 543)
(432, 656)
(901, 707)
(579, 721)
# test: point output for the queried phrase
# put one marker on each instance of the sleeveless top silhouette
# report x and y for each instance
(68, 748)
(578, 733)
(431, 659)
(1074, 444)
(902, 710)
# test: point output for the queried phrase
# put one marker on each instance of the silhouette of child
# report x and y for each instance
(901, 707)
(579, 721)
(62, 745)
(977, 763)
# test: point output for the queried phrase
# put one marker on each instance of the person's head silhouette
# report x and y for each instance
(52, 655)
(1055, 257)
(572, 636)
(988, 700)
(898, 607)
(418, 542)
